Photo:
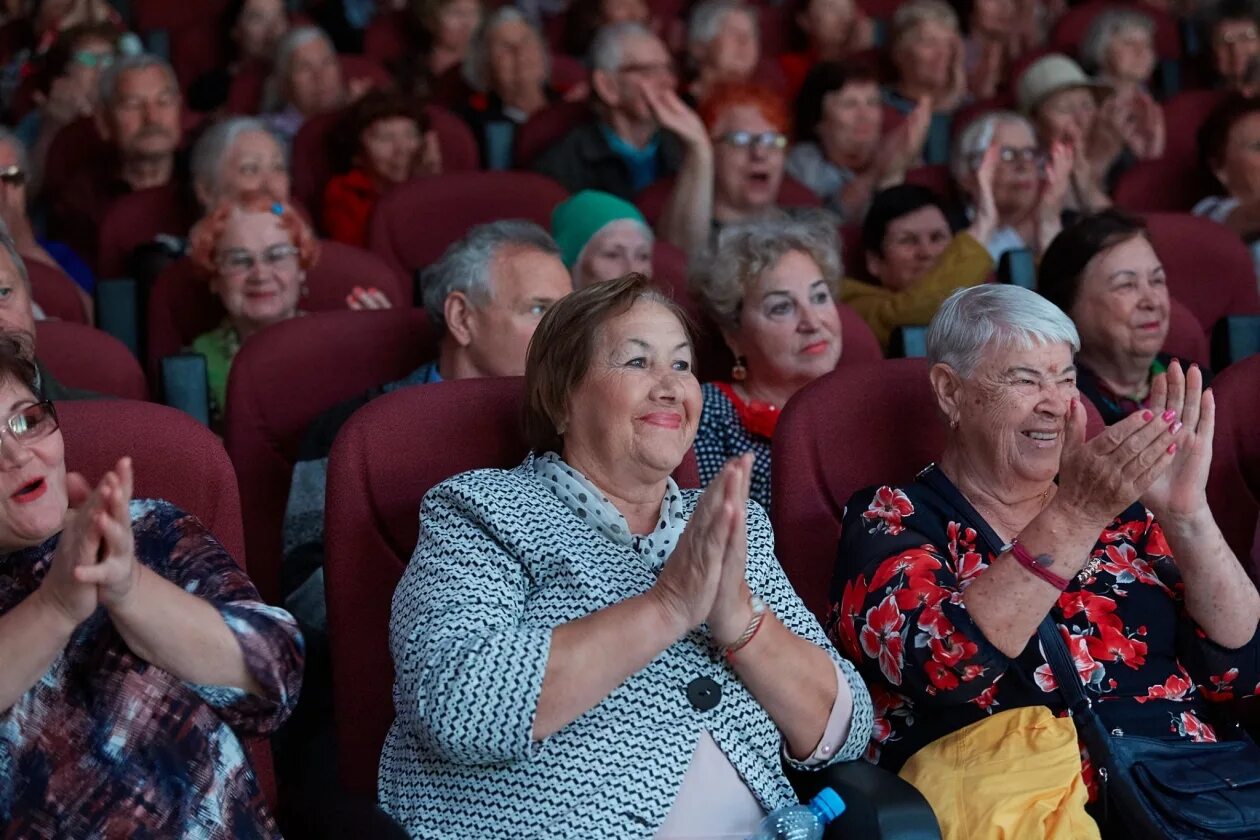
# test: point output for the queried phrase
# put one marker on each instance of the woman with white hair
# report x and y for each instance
(984, 546)
(237, 156)
(723, 45)
(927, 51)
(1029, 186)
(306, 80)
(1119, 49)
(771, 286)
(508, 69)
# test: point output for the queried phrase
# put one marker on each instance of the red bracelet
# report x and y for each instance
(1037, 565)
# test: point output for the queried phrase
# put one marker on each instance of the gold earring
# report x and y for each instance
(739, 372)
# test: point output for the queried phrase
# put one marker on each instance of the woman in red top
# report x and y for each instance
(382, 141)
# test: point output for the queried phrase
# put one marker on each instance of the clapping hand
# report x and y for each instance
(701, 581)
(116, 570)
(1101, 477)
(1058, 178)
(1181, 492)
(904, 144)
(986, 218)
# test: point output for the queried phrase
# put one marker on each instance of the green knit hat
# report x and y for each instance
(576, 220)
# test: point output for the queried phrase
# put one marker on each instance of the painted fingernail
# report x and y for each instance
(1169, 416)
(1172, 449)
(1148, 416)
(1176, 427)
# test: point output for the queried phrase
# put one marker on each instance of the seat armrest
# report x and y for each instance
(878, 804)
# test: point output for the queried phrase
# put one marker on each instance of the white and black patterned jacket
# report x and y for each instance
(501, 560)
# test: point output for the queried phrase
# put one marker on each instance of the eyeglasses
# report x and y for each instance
(239, 262)
(1238, 36)
(31, 423)
(93, 60)
(1013, 154)
(745, 139)
(13, 175)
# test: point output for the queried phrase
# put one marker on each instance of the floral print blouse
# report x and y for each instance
(107, 745)
(906, 556)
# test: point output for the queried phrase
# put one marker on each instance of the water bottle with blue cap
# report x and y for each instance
(802, 822)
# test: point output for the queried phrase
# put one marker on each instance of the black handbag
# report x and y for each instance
(1161, 788)
(1149, 787)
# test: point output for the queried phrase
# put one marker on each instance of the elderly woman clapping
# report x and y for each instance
(941, 585)
(1103, 272)
(771, 286)
(134, 650)
(579, 638)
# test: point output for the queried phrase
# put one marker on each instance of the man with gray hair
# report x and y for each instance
(486, 294)
(623, 150)
(140, 120)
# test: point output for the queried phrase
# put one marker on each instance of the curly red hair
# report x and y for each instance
(734, 94)
(203, 239)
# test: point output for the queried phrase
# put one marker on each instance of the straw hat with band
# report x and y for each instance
(1049, 75)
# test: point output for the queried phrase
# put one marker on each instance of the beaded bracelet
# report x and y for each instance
(754, 624)
(1037, 565)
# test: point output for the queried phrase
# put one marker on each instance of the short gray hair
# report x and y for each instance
(606, 47)
(218, 139)
(126, 64)
(1109, 24)
(968, 145)
(477, 58)
(274, 88)
(972, 319)
(744, 251)
(910, 16)
(707, 19)
(465, 265)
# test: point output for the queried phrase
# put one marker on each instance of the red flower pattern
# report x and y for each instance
(1188, 725)
(887, 510)
(882, 638)
(1175, 688)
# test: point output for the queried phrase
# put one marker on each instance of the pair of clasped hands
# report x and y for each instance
(95, 561)
(1160, 455)
(703, 581)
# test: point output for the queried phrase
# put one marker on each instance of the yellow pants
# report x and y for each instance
(1013, 776)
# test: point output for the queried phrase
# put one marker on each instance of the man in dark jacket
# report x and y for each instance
(623, 150)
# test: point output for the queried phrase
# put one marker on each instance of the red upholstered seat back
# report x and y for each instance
(79, 356)
(136, 218)
(175, 458)
(182, 307)
(1184, 115)
(285, 377)
(55, 292)
(1186, 339)
(857, 426)
(245, 95)
(386, 458)
(1209, 268)
(651, 202)
(415, 223)
(1167, 185)
(547, 127)
(1234, 484)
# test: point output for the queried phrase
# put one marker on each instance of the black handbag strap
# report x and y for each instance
(1058, 657)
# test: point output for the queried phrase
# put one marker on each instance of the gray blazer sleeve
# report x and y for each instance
(468, 671)
(766, 578)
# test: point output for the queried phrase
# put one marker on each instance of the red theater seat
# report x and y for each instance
(1072, 27)
(1234, 483)
(415, 223)
(1186, 339)
(546, 128)
(58, 295)
(285, 377)
(79, 356)
(137, 218)
(1209, 268)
